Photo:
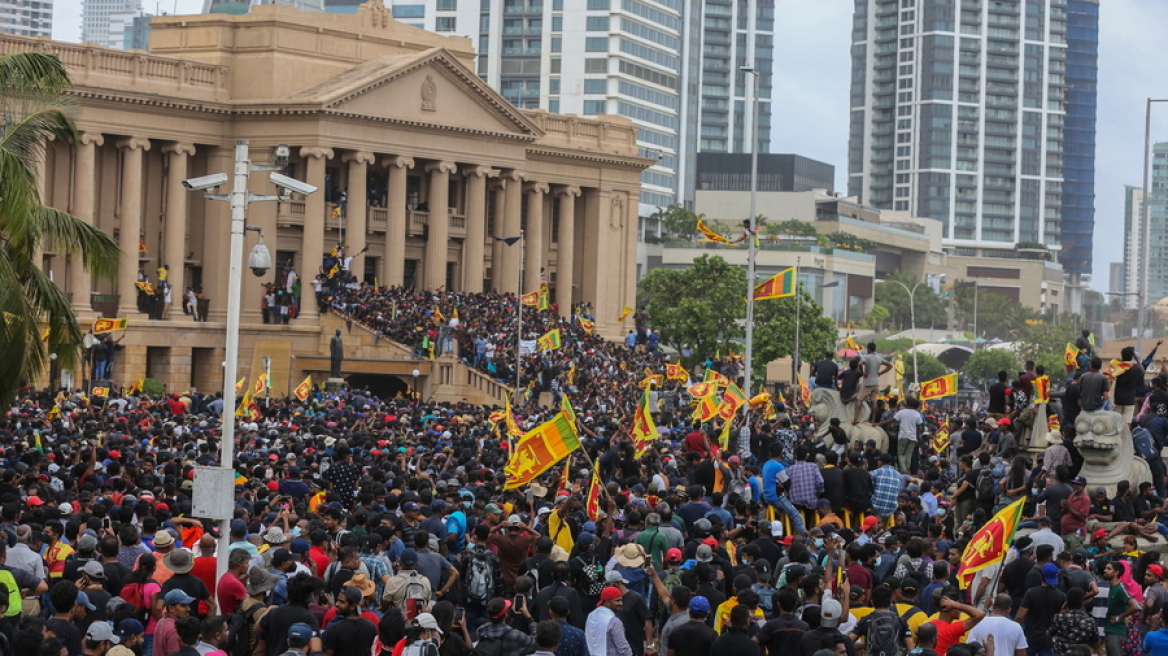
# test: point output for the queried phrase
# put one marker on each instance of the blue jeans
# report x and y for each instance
(784, 505)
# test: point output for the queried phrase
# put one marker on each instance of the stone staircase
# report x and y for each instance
(450, 380)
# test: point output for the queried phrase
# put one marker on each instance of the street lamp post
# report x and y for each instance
(259, 261)
(748, 358)
(1145, 230)
(912, 317)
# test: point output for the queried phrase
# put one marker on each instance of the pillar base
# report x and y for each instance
(334, 384)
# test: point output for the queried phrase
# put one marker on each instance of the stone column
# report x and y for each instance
(533, 254)
(566, 249)
(474, 248)
(499, 189)
(40, 171)
(84, 196)
(438, 233)
(312, 246)
(357, 212)
(394, 267)
(512, 223)
(130, 225)
(174, 247)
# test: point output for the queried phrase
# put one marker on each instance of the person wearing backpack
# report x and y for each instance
(498, 638)
(242, 633)
(481, 577)
(409, 589)
(883, 631)
(587, 570)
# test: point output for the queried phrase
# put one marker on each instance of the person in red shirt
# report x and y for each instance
(1075, 508)
(859, 575)
(318, 553)
(232, 588)
(950, 627)
(697, 442)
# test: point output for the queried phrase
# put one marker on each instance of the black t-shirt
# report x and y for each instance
(783, 634)
(998, 392)
(1014, 577)
(849, 383)
(1054, 495)
(971, 490)
(1126, 384)
(690, 639)
(1122, 511)
(825, 373)
(1101, 507)
(1158, 403)
(276, 622)
(633, 613)
(970, 441)
(350, 636)
(115, 577)
(67, 633)
(735, 642)
(190, 584)
(1042, 603)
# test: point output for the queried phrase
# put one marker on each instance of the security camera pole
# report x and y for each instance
(239, 199)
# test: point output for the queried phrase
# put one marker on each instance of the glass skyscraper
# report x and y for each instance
(1079, 143)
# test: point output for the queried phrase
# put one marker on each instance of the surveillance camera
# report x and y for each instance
(259, 260)
(205, 182)
(292, 184)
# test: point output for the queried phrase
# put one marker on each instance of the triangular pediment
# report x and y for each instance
(431, 88)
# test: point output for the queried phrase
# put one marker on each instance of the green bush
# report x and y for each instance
(153, 387)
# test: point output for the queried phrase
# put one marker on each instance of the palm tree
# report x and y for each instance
(34, 108)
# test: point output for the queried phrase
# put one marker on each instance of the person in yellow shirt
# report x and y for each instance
(743, 595)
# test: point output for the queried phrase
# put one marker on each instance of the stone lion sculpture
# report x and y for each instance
(826, 404)
(1109, 455)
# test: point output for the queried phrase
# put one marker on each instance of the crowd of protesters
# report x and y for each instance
(369, 526)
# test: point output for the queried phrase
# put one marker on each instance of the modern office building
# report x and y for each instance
(726, 95)
(242, 6)
(1133, 212)
(1156, 267)
(103, 21)
(776, 172)
(1115, 282)
(1078, 219)
(27, 17)
(959, 113)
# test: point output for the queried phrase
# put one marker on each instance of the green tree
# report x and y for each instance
(774, 331)
(848, 241)
(985, 364)
(875, 317)
(35, 109)
(930, 311)
(791, 227)
(930, 367)
(679, 221)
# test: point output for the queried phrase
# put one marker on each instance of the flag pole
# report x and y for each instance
(798, 308)
(519, 322)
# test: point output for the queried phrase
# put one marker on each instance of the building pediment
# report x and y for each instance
(430, 89)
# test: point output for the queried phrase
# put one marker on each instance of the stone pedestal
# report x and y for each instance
(334, 384)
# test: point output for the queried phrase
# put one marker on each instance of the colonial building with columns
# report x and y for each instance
(429, 162)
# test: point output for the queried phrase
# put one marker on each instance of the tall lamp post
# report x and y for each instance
(912, 317)
(748, 358)
(259, 261)
(1145, 230)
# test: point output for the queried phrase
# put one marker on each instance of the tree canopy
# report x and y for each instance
(930, 311)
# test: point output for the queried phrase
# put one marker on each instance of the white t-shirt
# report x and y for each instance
(909, 421)
(1007, 634)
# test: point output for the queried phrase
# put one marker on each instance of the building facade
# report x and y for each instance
(432, 162)
(27, 17)
(776, 172)
(959, 113)
(1133, 239)
(1078, 218)
(103, 21)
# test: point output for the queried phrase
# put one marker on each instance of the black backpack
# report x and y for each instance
(985, 485)
(883, 635)
(239, 631)
(593, 579)
(917, 574)
(480, 577)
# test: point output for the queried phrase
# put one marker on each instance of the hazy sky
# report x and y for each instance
(812, 73)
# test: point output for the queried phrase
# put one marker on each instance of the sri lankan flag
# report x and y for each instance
(732, 400)
(676, 372)
(244, 405)
(303, 389)
(592, 501)
(940, 442)
(550, 341)
(804, 392)
(644, 428)
(625, 314)
(136, 387)
(724, 436)
(261, 385)
(760, 399)
(1052, 423)
(588, 326)
(710, 235)
(939, 387)
(146, 287)
(539, 449)
(102, 392)
(530, 299)
(715, 377)
(1117, 368)
(103, 326)
(241, 385)
(512, 425)
(438, 314)
(1042, 389)
(543, 303)
(572, 374)
(989, 545)
(568, 410)
(651, 381)
(780, 285)
(851, 343)
(707, 409)
(702, 390)
(1071, 357)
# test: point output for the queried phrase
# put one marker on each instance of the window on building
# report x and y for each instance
(557, 23)
(409, 11)
(447, 5)
(594, 107)
(553, 85)
(596, 86)
(554, 106)
(597, 24)
(445, 23)
(595, 65)
(555, 65)
(596, 44)
(557, 44)
(599, 5)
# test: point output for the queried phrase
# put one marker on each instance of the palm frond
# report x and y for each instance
(99, 251)
(28, 72)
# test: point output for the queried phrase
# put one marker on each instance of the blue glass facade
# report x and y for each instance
(1078, 216)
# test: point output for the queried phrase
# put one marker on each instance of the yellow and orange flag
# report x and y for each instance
(1117, 368)
(804, 392)
(625, 314)
(261, 385)
(1042, 389)
(732, 400)
(780, 285)
(303, 389)
(539, 449)
(850, 342)
(530, 299)
(940, 441)
(989, 545)
(707, 409)
(1071, 357)
(512, 425)
(102, 326)
(588, 326)
(702, 390)
(592, 501)
(676, 372)
(1052, 423)
(715, 377)
(939, 387)
(550, 341)
(710, 235)
(644, 428)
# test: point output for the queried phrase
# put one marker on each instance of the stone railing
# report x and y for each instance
(96, 67)
(614, 135)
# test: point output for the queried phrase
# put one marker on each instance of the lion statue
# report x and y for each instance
(1109, 455)
(826, 405)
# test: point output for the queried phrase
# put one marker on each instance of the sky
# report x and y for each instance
(813, 71)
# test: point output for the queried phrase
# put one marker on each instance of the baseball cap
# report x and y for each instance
(409, 506)
(129, 627)
(299, 634)
(608, 594)
(408, 557)
(177, 596)
(83, 599)
(1100, 533)
(705, 554)
(829, 613)
(1050, 574)
(1157, 570)
(673, 555)
(493, 509)
(427, 621)
(699, 605)
(614, 576)
(514, 520)
(870, 521)
(93, 569)
(101, 632)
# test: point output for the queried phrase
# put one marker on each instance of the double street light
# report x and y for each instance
(1145, 230)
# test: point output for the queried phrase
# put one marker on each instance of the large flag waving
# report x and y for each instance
(540, 449)
(512, 425)
(592, 501)
(710, 234)
(303, 389)
(780, 285)
(102, 326)
(1071, 357)
(940, 442)
(1042, 389)
(1117, 368)
(989, 545)
(939, 387)
(644, 428)
(550, 340)
(732, 400)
